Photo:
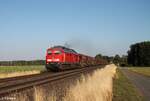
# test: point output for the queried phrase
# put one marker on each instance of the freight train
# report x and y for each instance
(60, 58)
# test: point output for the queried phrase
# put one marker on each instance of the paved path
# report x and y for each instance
(141, 82)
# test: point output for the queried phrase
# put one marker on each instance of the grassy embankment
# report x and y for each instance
(12, 71)
(124, 90)
(96, 87)
(141, 70)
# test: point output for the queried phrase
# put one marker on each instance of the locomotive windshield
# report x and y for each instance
(57, 52)
(49, 52)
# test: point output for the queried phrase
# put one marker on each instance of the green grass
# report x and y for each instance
(142, 70)
(10, 69)
(124, 90)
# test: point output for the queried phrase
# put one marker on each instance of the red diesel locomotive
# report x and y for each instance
(62, 58)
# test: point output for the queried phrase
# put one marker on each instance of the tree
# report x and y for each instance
(116, 59)
(139, 54)
(106, 58)
(98, 56)
(123, 61)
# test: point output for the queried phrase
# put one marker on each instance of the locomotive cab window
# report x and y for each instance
(49, 52)
(57, 52)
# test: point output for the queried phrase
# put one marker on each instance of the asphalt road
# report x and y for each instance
(141, 82)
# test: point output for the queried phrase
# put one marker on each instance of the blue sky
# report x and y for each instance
(29, 27)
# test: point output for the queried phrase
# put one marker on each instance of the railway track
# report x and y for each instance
(17, 83)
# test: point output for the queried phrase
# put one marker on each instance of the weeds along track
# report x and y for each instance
(18, 83)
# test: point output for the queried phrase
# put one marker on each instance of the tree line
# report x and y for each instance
(22, 63)
(137, 55)
(114, 59)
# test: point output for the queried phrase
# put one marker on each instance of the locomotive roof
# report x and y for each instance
(66, 49)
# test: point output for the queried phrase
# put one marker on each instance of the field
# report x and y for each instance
(12, 71)
(124, 90)
(142, 70)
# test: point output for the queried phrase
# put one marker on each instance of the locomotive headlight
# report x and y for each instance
(49, 60)
(56, 60)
